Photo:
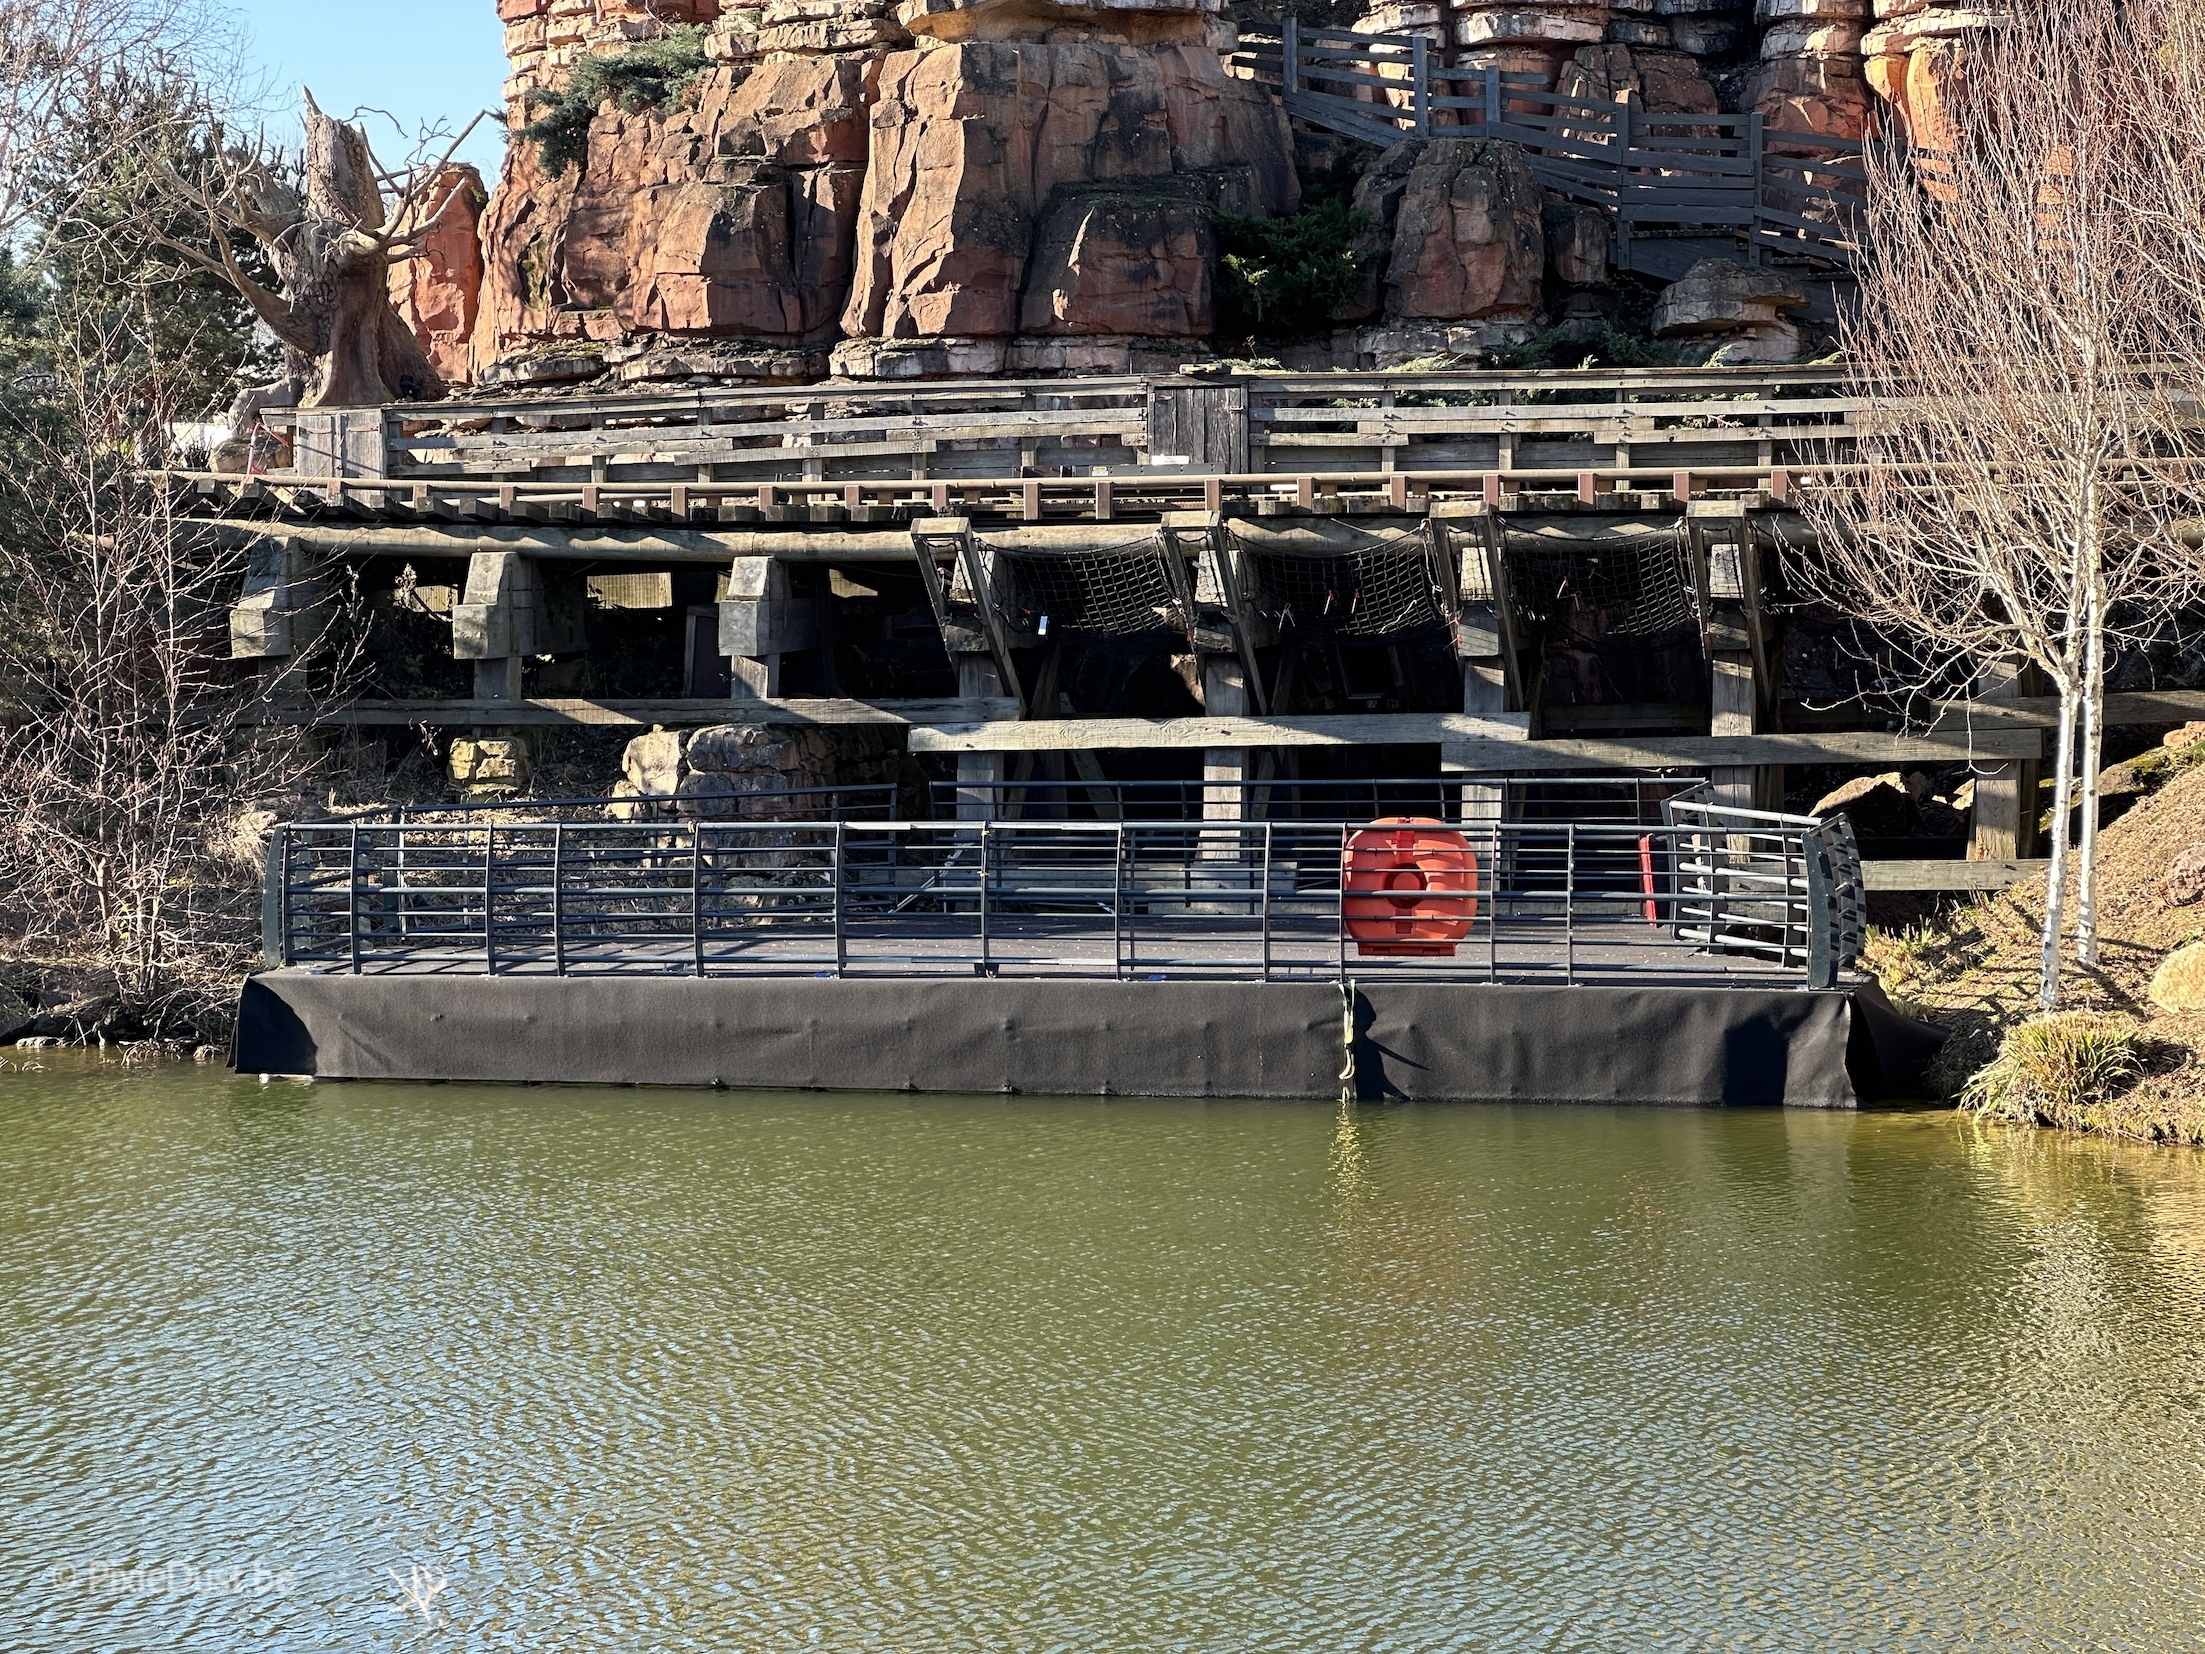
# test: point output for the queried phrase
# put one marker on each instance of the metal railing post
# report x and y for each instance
(986, 879)
(1493, 907)
(1491, 91)
(1569, 906)
(352, 898)
(842, 950)
(1118, 932)
(275, 950)
(1290, 60)
(1265, 919)
(696, 895)
(558, 898)
(489, 914)
(1340, 868)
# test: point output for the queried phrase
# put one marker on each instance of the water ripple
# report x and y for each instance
(619, 1370)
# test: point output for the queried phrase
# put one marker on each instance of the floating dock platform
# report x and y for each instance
(1691, 960)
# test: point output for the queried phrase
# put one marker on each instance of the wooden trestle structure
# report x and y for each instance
(1204, 481)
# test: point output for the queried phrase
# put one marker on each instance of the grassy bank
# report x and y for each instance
(2110, 1061)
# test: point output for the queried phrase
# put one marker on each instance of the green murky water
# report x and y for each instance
(450, 1367)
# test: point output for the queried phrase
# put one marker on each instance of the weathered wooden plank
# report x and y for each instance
(2162, 706)
(1136, 734)
(1702, 751)
(1923, 876)
(631, 714)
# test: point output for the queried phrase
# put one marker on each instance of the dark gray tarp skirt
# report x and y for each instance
(1412, 1041)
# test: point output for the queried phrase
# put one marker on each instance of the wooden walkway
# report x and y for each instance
(1781, 192)
(1097, 450)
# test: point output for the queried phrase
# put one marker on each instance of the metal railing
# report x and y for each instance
(1452, 799)
(1736, 893)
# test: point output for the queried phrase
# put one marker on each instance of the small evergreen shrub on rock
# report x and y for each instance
(652, 75)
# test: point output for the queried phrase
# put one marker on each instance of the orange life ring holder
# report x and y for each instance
(1412, 887)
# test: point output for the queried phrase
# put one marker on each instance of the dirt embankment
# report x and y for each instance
(1975, 966)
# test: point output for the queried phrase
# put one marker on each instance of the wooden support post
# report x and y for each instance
(978, 682)
(501, 620)
(1484, 638)
(2005, 825)
(1719, 554)
(1225, 770)
(762, 620)
(269, 620)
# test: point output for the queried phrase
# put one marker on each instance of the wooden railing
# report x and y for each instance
(1738, 423)
(1797, 192)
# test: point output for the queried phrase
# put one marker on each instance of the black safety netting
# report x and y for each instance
(1390, 589)
(1116, 592)
(1628, 591)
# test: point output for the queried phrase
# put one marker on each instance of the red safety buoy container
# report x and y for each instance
(1411, 887)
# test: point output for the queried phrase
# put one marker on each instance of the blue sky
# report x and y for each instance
(422, 60)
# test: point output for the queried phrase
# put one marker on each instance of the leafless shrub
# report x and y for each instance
(2025, 445)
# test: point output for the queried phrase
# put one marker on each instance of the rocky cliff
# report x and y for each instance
(936, 187)
(922, 188)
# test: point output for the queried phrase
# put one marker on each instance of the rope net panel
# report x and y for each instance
(1119, 592)
(1623, 591)
(1389, 589)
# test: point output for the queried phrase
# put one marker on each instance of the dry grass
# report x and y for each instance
(1974, 969)
(2059, 1070)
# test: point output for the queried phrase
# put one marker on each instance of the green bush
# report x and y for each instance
(1284, 278)
(648, 76)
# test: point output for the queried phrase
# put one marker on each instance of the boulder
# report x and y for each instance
(652, 764)
(1578, 237)
(974, 144)
(491, 764)
(2184, 880)
(1878, 806)
(1401, 343)
(438, 291)
(1111, 263)
(1827, 96)
(2188, 736)
(1663, 82)
(1468, 239)
(2179, 983)
(1744, 306)
(707, 797)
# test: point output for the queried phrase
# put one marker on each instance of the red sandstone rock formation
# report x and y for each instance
(974, 146)
(1468, 240)
(1914, 54)
(733, 216)
(1043, 170)
(438, 291)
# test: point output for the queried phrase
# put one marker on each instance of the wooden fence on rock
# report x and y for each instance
(1784, 192)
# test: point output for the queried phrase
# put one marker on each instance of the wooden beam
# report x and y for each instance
(1707, 751)
(1496, 742)
(1149, 734)
(2162, 706)
(636, 714)
(1923, 876)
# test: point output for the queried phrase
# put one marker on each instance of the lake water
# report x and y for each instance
(572, 1369)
